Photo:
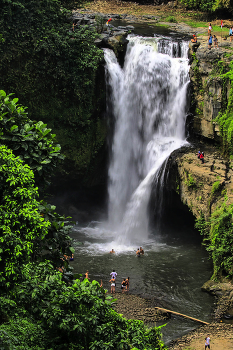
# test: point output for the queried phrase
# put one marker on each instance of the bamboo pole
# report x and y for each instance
(177, 313)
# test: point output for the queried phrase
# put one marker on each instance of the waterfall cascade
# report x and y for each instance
(148, 97)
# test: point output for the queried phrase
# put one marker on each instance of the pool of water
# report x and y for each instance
(172, 270)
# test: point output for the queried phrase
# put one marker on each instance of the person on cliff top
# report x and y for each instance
(202, 157)
(109, 20)
(215, 40)
(210, 41)
(194, 39)
(231, 33)
(209, 29)
(207, 342)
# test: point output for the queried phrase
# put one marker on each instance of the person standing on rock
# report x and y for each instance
(215, 41)
(202, 157)
(207, 342)
(209, 29)
(210, 41)
(113, 285)
(123, 285)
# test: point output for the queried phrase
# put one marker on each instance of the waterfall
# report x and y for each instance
(148, 97)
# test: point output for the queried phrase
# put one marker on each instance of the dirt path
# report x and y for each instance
(221, 338)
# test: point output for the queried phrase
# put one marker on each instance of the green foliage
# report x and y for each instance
(75, 316)
(21, 225)
(100, 23)
(171, 19)
(57, 241)
(31, 141)
(225, 118)
(29, 230)
(54, 71)
(221, 245)
(190, 182)
(22, 333)
(218, 238)
(215, 187)
(208, 6)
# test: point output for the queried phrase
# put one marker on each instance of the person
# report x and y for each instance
(141, 251)
(198, 154)
(127, 284)
(112, 251)
(73, 25)
(210, 41)
(113, 274)
(113, 285)
(207, 342)
(202, 157)
(101, 283)
(209, 29)
(107, 23)
(231, 33)
(86, 275)
(123, 285)
(72, 257)
(194, 39)
(215, 41)
(138, 253)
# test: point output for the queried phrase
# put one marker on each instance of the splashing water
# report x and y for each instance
(149, 106)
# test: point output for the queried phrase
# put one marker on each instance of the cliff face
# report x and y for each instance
(210, 90)
(202, 187)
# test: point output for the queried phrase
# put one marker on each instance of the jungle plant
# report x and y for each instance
(75, 316)
(215, 187)
(32, 141)
(21, 225)
(100, 23)
(54, 72)
(190, 182)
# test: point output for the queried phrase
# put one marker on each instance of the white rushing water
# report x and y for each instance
(148, 97)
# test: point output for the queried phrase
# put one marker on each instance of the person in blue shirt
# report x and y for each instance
(210, 41)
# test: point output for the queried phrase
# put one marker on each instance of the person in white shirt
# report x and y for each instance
(207, 342)
(113, 274)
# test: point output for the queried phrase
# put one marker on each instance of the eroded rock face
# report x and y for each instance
(202, 187)
(209, 89)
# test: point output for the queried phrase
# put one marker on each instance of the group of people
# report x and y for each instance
(124, 283)
(211, 38)
(139, 252)
(200, 156)
(113, 274)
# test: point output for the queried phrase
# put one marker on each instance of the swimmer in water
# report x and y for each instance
(112, 251)
(141, 251)
(138, 253)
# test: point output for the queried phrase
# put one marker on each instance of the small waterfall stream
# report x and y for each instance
(149, 105)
